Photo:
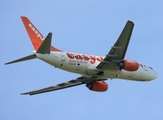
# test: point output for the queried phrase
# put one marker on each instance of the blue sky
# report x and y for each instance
(86, 27)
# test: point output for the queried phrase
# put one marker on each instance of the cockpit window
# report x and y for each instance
(141, 65)
(151, 68)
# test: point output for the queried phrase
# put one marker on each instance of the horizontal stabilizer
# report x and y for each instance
(22, 59)
(45, 46)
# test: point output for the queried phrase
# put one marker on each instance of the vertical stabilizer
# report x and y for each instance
(35, 36)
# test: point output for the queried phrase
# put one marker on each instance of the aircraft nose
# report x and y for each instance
(151, 75)
(155, 76)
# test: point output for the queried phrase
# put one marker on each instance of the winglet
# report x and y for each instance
(34, 34)
(130, 21)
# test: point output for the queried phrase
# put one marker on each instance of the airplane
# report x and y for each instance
(93, 70)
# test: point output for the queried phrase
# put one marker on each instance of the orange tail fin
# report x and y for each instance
(35, 36)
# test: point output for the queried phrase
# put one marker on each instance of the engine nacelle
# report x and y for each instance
(98, 86)
(129, 65)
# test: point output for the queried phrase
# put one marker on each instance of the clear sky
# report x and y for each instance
(84, 26)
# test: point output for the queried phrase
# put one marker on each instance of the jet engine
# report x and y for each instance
(129, 65)
(98, 86)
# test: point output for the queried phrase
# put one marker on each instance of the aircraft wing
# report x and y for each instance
(118, 51)
(71, 83)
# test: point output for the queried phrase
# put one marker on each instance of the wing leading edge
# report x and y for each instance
(118, 51)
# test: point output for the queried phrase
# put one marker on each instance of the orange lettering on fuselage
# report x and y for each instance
(78, 57)
(85, 57)
(93, 59)
(70, 55)
(100, 58)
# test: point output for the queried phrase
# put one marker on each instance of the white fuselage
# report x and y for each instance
(85, 65)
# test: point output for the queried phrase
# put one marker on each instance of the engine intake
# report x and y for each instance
(98, 86)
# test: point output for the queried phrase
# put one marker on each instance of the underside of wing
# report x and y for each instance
(118, 51)
(68, 84)
(100, 86)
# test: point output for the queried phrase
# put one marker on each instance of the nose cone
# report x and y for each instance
(155, 76)
(150, 76)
